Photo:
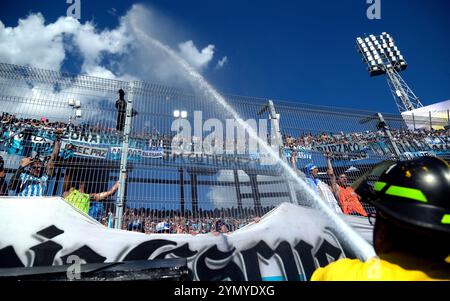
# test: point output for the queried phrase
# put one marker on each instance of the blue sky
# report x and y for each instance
(299, 51)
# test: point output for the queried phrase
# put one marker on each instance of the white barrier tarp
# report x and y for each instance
(289, 243)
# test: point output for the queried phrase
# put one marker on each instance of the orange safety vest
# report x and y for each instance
(349, 201)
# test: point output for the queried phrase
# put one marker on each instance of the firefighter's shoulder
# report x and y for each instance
(374, 269)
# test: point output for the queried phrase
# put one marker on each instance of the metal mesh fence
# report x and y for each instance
(74, 130)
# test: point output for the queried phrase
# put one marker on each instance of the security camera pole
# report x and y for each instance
(124, 157)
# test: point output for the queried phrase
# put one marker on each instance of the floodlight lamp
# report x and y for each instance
(176, 113)
(71, 102)
(78, 113)
(77, 104)
(388, 66)
(398, 93)
(367, 40)
(184, 114)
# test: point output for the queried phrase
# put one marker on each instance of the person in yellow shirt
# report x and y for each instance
(412, 229)
(81, 200)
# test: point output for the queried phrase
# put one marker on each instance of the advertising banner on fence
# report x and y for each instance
(301, 154)
(26, 142)
(352, 151)
(288, 243)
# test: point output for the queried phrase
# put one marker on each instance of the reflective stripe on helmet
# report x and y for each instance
(406, 192)
(379, 185)
(445, 219)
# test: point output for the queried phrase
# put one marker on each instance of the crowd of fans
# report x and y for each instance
(406, 140)
(12, 123)
(173, 222)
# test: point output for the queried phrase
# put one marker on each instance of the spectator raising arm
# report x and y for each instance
(104, 195)
(330, 172)
(15, 180)
(55, 152)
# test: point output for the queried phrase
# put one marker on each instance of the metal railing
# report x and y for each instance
(76, 128)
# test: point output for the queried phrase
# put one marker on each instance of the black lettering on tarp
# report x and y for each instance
(304, 251)
(86, 253)
(230, 271)
(45, 253)
(284, 251)
(251, 260)
(50, 232)
(146, 249)
(326, 248)
(9, 258)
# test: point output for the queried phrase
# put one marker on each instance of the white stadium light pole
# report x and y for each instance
(382, 56)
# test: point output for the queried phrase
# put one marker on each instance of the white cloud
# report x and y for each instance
(197, 59)
(222, 62)
(118, 53)
(32, 42)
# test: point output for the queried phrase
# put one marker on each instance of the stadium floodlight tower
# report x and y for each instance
(383, 57)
